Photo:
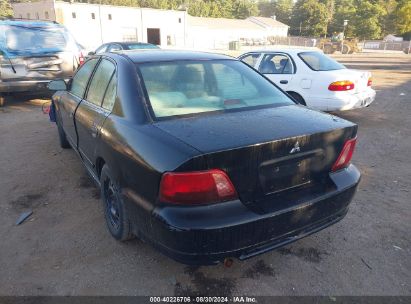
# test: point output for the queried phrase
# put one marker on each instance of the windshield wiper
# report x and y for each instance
(8, 58)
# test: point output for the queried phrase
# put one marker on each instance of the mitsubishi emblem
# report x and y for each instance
(296, 148)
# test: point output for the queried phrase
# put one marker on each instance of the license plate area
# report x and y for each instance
(289, 172)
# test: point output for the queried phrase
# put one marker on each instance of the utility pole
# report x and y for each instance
(101, 25)
(343, 36)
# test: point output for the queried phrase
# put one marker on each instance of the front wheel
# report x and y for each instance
(114, 210)
(62, 136)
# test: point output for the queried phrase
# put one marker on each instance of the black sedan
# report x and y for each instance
(203, 157)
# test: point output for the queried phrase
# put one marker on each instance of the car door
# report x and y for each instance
(90, 114)
(279, 68)
(69, 100)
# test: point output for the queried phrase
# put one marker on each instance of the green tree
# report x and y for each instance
(403, 17)
(344, 10)
(309, 18)
(244, 8)
(282, 9)
(5, 9)
(368, 20)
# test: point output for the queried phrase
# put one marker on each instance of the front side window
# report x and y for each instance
(319, 62)
(276, 64)
(80, 80)
(190, 87)
(100, 81)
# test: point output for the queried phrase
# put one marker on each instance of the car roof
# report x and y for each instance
(33, 23)
(140, 56)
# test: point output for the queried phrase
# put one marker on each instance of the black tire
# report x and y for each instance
(297, 97)
(62, 136)
(346, 49)
(115, 212)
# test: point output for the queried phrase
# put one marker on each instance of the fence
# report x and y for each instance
(377, 45)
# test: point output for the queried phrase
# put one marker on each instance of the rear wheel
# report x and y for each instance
(62, 136)
(297, 97)
(346, 49)
(114, 210)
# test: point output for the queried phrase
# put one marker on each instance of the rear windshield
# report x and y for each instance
(138, 46)
(26, 39)
(190, 87)
(320, 62)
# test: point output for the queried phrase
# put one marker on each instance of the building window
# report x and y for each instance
(179, 20)
(37, 16)
(93, 16)
(46, 15)
(109, 17)
(28, 15)
(73, 14)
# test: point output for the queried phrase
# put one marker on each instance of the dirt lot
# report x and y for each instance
(65, 249)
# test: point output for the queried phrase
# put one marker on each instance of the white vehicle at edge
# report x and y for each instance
(314, 79)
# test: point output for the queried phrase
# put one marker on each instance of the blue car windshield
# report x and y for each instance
(192, 87)
(26, 40)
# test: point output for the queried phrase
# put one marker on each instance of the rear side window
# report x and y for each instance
(102, 49)
(80, 80)
(100, 81)
(111, 93)
(251, 59)
(114, 47)
(320, 62)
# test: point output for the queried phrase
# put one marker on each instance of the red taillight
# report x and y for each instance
(369, 83)
(345, 156)
(81, 58)
(344, 85)
(198, 187)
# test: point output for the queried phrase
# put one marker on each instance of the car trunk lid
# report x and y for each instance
(266, 152)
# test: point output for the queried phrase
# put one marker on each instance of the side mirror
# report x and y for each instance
(57, 85)
(91, 53)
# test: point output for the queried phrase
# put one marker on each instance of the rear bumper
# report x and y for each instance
(343, 101)
(24, 86)
(205, 235)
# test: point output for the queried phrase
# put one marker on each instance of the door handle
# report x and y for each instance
(284, 81)
(94, 130)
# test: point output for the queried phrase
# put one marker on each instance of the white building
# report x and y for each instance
(93, 24)
(216, 33)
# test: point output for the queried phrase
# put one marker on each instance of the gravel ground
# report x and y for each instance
(65, 249)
